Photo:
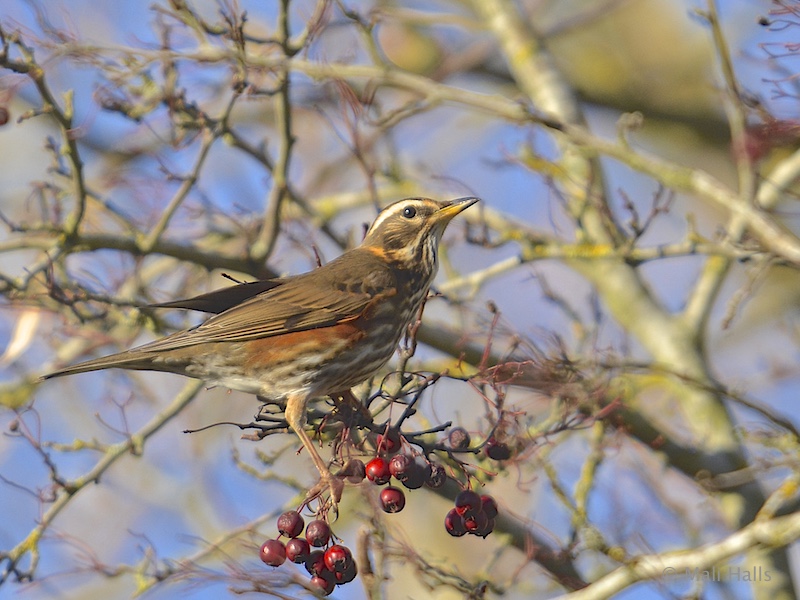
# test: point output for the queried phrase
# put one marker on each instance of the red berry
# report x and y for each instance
(489, 506)
(497, 450)
(468, 503)
(408, 471)
(338, 558)
(347, 575)
(378, 471)
(486, 529)
(291, 524)
(273, 553)
(392, 499)
(297, 550)
(318, 533)
(476, 522)
(454, 523)
(437, 477)
(459, 438)
(415, 477)
(324, 584)
(399, 465)
(388, 442)
(315, 563)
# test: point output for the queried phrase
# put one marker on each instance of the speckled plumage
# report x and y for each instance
(308, 335)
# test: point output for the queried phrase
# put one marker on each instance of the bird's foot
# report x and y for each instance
(334, 485)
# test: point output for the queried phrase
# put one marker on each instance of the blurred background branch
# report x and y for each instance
(610, 351)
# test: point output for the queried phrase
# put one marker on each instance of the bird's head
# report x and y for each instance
(409, 231)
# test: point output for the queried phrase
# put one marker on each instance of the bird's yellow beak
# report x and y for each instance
(452, 208)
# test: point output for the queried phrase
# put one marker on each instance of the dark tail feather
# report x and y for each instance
(213, 302)
(221, 300)
(122, 360)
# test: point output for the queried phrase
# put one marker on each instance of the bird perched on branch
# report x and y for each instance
(320, 333)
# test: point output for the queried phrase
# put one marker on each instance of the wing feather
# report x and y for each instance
(321, 298)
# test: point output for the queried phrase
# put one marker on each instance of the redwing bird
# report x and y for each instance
(316, 334)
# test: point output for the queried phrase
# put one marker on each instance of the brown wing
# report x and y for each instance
(221, 300)
(338, 292)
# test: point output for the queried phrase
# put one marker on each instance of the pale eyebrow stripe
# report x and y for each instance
(395, 209)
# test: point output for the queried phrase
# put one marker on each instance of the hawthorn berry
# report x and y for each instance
(392, 499)
(437, 477)
(485, 529)
(454, 523)
(347, 575)
(325, 584)
(459, 438)
(338, 558)
(315, 563)
(318, 533)
(273, 553)
(399, 465)
(468, 503)
(378, 471)
(489, 506)
(497, 450)
(291, 524)
(475, 522)
(415, 477)
(388, 442)
(297, 550)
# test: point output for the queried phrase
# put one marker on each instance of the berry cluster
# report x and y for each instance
(331, 564)
(472, 514)
(410, 472)
(329, 567)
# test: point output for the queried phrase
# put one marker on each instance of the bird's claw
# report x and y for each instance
(334, 485)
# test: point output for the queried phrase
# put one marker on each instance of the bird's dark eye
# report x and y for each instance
(409, 212)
